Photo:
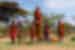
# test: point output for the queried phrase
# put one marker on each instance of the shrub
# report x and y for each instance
(73, 39)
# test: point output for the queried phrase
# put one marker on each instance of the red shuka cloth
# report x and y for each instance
(13, 31)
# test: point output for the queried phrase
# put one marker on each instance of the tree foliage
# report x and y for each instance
(10, 8)
(53, 18)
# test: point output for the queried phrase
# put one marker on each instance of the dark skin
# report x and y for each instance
(38, 20)
(60, 30)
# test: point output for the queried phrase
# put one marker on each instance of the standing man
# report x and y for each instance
(46, 31)
(38, 22)
(32, 32)
(61, 30)
(13, 31)
(20, 21)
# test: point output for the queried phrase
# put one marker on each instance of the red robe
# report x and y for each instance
(13, 31)
(61, 30)
(38, 22)
(32, 32)
(46, 33)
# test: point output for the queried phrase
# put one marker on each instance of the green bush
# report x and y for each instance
(73, 39)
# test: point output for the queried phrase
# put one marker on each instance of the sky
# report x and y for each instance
(66, 7)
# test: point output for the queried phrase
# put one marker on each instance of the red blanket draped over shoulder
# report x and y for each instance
(13, 30)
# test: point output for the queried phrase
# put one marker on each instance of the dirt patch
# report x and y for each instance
(36, 47)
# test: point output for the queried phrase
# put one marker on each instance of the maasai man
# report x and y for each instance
(46, 31)
(32, 32)
(61, 30)
(13, 31)
(38, 22)
(20, 21)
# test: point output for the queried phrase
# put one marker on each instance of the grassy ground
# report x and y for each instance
(66, 45)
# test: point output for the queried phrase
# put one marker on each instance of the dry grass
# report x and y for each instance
(66, 45)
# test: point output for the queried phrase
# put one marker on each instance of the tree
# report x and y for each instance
(9, 9)
(53, 18)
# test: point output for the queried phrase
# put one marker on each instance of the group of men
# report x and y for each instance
(35, 30)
